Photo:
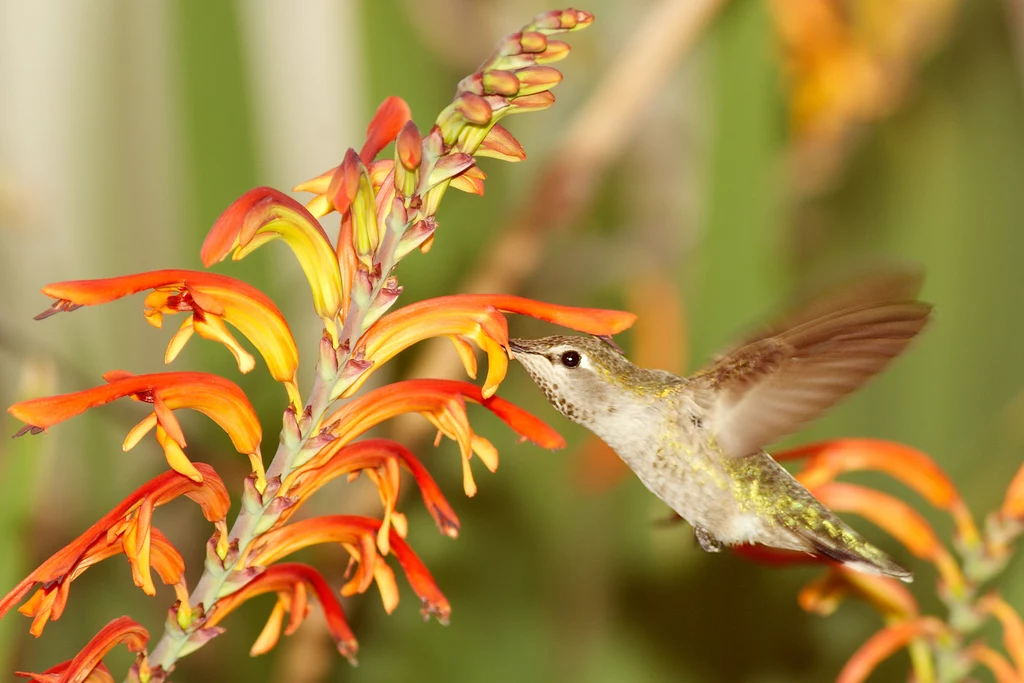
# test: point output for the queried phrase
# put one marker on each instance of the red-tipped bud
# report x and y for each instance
(410, 146)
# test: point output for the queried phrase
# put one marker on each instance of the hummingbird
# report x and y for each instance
(698, 443)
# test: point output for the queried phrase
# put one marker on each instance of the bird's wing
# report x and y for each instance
(794, 372)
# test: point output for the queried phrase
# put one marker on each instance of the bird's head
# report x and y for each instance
(584, 378)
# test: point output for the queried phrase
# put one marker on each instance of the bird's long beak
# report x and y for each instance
(517, 346)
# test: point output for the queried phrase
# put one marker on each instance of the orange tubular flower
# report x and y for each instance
(290, 581)
(264, 214)
(357, 534)
(1013, 504)
(884, 644)
(994, 662)
(219, 399)
(474, 317)
(49, 601)
(127, 528)
(121, 630)
(55, 674)
(379, 458)
(211, 300)
(913, 468)
(1013, 627)
(443, 403)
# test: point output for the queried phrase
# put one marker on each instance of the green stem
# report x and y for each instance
(211, 584)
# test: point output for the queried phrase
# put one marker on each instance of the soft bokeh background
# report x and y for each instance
(785, 143)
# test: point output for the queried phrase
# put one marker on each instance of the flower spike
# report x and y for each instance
(386, 209)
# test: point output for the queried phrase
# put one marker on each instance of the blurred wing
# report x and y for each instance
(781, 379)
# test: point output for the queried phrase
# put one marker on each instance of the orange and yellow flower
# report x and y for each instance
(219, 399)
(473, 317)
(885, 643)
(87, 666)
(442, 402)
(264, 214)
(379, 459)
(291, 582)
(358, 535)
(126, 529)
(210, 300)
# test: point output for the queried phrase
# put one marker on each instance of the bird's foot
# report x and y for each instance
(707, 540)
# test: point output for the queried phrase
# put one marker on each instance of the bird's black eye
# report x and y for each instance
(571, 359)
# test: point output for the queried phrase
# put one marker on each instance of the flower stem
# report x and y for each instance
(211, 584)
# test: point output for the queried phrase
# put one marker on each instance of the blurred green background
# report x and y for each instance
(127, 127)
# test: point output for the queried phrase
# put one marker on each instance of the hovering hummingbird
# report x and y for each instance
(698, 442)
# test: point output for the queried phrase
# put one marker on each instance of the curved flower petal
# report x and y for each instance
(55, 674)
(996, 663)
(336, 459)
(441, 402)
(289, 581)
(1013, 503)
(775, 556)
(129, 520)
(884, 644)
(219, 399)
(121, 630)
(470, 181)
(829, 459)
(263, 214)
(349, 529)
(391, 115)
(474, 317)
(898, 519)
(399, 330)
(500, 144)
(1013, 626)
